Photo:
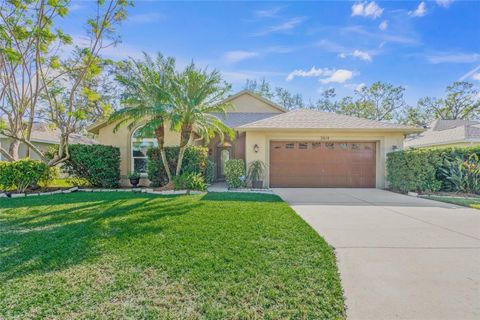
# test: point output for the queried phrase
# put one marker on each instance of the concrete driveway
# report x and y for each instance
(399, 257)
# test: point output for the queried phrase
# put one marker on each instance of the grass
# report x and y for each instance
(466, 202)
(139, 256)
(65, 183)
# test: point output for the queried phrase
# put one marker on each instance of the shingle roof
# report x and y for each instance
(446, 132)
(41, 132)
(236, 119)
(313, 119)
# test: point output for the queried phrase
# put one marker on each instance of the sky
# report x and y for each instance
(307, 47)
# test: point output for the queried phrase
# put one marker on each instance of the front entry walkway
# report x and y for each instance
(399, 257)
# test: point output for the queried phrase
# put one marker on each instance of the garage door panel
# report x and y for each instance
(322, 164)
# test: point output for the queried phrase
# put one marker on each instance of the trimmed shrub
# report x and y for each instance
(52, 174)
(414, 170)
(189, 181)
(430, 170)
(21, 174)
(235, 173)
(194, 161)
(98, 164)
(210, 172)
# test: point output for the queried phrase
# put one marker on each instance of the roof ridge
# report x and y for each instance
(269, 118)
(348, 117)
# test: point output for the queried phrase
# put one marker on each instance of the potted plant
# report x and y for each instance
(134, 178)
(256, 170)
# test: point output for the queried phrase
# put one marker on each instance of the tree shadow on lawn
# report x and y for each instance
(241, 196)
(46, 241)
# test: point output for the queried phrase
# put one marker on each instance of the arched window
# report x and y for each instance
(141, 142)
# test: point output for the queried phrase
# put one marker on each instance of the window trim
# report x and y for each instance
(132, 157)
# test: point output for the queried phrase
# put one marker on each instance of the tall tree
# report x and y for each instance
(326, 101)
(197, 94)
(380, 101)
(278, 95)
(146, 98)
(415, 116)
(60, 84)
(26, 37)
(288, 100)
(461, 102)
(262, 88)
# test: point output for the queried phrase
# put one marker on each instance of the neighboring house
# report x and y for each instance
(302, 148)
(43, 138)
(447, 133)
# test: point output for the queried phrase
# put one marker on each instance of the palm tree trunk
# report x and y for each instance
(160, 134)
(185, 138)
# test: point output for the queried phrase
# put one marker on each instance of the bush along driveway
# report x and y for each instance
(117, 255)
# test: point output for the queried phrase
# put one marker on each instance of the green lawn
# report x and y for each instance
(138, 256)
(467, 202)
(65, 183)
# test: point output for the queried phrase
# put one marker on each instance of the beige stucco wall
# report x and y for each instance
(384, 144)
(22, 149)
(122, 137)
(248, 103)
(122, 140)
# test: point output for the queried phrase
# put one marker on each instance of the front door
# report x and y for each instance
(224, 154)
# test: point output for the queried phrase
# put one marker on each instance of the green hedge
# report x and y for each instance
(195, 160)
(235, 173)
(21, 174)
(424, 170)
(98, 164)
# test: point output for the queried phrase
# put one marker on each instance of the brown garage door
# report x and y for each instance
(300, 164)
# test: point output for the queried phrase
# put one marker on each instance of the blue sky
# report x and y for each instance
(310, 46)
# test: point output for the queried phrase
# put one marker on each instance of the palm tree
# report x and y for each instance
(146, 98)
(197, 96)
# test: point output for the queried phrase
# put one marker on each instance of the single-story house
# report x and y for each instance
(301, 148)
(447, 133)
(43, 137)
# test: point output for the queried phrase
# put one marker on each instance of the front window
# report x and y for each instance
(141, 142)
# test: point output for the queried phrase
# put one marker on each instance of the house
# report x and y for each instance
(302, 148)
(447, 133)
(43, 137)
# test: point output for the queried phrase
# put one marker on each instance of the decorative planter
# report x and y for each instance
(134, 182)
(257, 184)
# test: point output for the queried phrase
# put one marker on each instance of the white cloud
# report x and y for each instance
(420, 11)
(444, 3)
(313, 72)
(236, 56)
(366, 9)
(268, 13)
(145, 17)
(285, 26)
(383, 25)
(476, 76)
(362, 55)
(355, 86)
(454, 58)
(469, 73)
(338, 76)
(332, 75)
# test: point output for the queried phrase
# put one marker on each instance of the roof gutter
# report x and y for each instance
(400, 130)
